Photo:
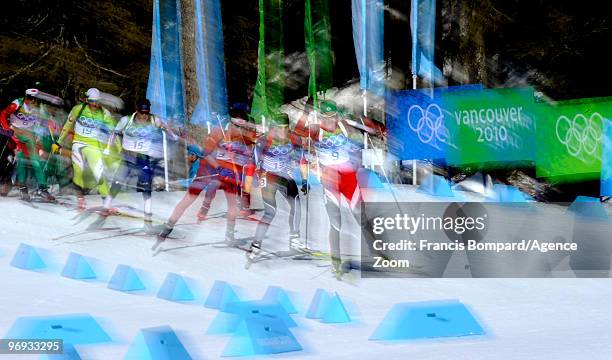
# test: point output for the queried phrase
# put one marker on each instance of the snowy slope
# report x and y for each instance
(524, 318)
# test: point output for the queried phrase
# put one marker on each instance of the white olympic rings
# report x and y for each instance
(578, 137)
(434, 128)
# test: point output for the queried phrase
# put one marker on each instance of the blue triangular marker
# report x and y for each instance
(125, 279)
(77, 267)
(334, 311)
(315, 305)
(436, 185)
(175, 288)
(229, 318)
(68, 353)
(588, 207)
(220, 294)
(26, 257)
(427, 320)
(73, 329)
(259, 335)
(369, 179)
(277, 294)
(157, 343)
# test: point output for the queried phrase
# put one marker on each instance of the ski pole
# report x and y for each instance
(165, 146)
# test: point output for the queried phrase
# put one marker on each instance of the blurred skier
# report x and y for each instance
(142, 149)
(23, 116)
(228, 159)
(337, 142)
(276, 156)
(237, 111)
(92, 126)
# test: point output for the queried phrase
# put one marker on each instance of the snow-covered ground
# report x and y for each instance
(524, 318)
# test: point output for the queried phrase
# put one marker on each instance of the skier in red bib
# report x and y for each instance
(337, 141)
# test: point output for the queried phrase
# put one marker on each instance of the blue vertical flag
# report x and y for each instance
(165, 89)
(210, 62)
(423, 26)
(368, 37)
(606, 160)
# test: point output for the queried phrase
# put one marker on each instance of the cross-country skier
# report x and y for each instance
(337, 142)
(142, 149)
(227, 158)
(23, 116)
(249, 136)
(92, 126)
(276, 156)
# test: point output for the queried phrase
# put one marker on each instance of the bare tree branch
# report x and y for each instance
(10, 78)
(90, 60)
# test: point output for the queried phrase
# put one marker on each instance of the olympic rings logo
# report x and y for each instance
(139, 132)
(23, 118)
(580, 133)
(280, 149)
(87, 122)
(333, 141)
(429, 125)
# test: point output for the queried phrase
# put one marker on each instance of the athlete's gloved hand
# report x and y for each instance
(106, 151)
(225, 173)
(305, 187)
(55, 148)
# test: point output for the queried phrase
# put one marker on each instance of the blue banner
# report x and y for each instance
(423, 27)
(606, 160)
(368, 39)
(210, 62)
(165, 89)
(416, 123)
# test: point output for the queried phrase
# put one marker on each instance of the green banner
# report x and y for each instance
(487, 126)
(268, 94)
(317, 34)
(570, 138)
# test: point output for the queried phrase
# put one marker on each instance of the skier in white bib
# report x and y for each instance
(142, 143)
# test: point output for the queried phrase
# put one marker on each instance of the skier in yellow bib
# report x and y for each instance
(92, 126)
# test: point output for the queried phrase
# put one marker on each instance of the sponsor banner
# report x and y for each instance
(490, 126)
(416, 123)
(570, 138)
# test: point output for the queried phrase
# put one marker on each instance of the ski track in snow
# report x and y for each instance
(524, 318)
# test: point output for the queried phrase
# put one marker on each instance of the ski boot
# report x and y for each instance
(202, 214)
(163, 234)
(161, 237)
(295, 243)
(201, 217)
(336, 268)
(44, 195)
(23, 193)
(254, 252)
(245, 213)
(148, 227)
(99, 222)
(231, 241)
